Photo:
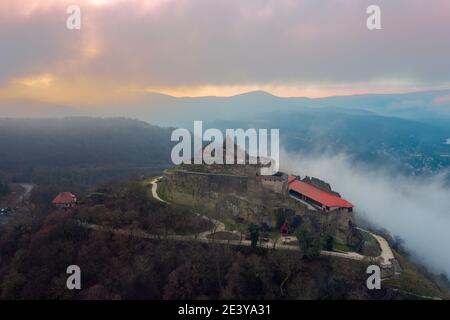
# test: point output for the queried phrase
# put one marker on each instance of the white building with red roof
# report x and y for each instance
(65, 200)
(316, 197)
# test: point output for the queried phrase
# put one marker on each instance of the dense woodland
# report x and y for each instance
(4, 189)
(36, 249)
(74, 152)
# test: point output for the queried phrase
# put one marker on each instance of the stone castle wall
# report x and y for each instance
(255, 199)
(201, 184)
(277, 184)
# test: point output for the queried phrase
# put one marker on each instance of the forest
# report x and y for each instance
(36, 248)
(4, 189)
(81, 151)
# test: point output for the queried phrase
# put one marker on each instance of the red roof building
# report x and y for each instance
(316, 197)
(65, 200)
(291, 178)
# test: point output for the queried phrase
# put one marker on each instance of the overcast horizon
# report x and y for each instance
(127, 49)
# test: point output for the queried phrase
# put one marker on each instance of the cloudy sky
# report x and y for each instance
(126, 48)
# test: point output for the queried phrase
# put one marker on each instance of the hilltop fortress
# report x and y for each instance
(239, 193)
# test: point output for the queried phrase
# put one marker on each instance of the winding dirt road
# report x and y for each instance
(28, 187)
(154, 184)
(386, 256)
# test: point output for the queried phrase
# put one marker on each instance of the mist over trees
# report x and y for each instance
(80, 151)
(412, 208)
(4, 189)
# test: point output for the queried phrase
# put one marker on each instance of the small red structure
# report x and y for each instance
(284, 230)
(65, 200)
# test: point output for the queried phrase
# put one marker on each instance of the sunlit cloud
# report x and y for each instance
(75, 92)
(311, 90)
(39, 82)
(219, 48)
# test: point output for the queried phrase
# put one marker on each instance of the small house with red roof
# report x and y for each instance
(65, 200)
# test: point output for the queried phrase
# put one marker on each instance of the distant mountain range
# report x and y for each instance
(431, 107)
(409, 131)
(165, 110)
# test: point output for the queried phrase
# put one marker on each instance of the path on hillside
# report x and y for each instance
(202, 237)
(154, 184)
(385, 256)
(19, 196)
(28, 187)
(219, 226)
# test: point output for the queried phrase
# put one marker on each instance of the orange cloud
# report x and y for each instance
(76, 92)
(26, 8)
(127, 48)
(103, 92)
(310, 90)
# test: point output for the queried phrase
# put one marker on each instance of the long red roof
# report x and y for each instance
(325, 198)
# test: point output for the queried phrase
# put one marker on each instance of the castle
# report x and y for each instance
(313, 193)
(241, 193)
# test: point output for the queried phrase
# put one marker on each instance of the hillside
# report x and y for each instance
(118, 262)
(244, 205)
(81, 151)
(78, 154)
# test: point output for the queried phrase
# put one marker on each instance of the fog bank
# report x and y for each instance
(417, 210)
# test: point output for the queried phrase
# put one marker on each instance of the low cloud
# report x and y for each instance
(442, 100)
(415, 209)
(163, 43)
